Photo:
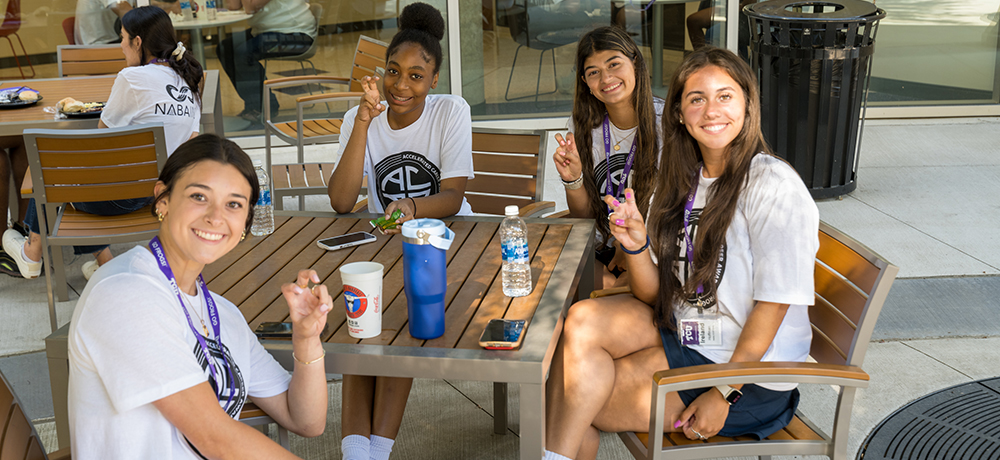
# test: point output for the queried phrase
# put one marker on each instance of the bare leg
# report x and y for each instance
(627, 409)
(19, 164)
(5, 171)
(104, 256)
(33, 247)
(696, 25)
(357, 401)
(390, 402)
(591, 444)
(582, 377)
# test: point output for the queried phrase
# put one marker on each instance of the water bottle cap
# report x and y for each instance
(428, 231)
(258, 164)
(511, 210)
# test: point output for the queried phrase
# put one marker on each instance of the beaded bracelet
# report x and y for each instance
(573, 184)
(639, 251)
(309, 362)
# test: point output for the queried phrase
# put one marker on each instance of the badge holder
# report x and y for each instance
(705, 329)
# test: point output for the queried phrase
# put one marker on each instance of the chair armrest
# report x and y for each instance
(537, 208)
(760, 372)
(330, 97)
(360, 206)
(611, 291)
(305, 79)
(27, 186)
(559, 214)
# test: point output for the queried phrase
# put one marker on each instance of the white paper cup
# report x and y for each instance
(363, 298)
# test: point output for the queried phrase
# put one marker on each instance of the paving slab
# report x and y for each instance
(895, 143)
(940, 307)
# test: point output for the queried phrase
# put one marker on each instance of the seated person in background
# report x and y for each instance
(278, 28)
(729, 244)
(13, 163)
(95, 19)
(419, 149)
(162, 84)
(140, 386)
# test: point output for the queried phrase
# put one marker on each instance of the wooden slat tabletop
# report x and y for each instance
(252, 274)
(84, 89)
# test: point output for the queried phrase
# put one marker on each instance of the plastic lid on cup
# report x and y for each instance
(511, 210)
(428, 231)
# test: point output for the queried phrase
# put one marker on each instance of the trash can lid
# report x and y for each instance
(816, 10)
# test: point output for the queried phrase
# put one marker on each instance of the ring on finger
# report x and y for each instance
(700, 437)
(303, 285)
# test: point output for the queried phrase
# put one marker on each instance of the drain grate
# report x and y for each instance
(957, 423)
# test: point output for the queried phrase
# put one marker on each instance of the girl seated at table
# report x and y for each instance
(418, 157)
(613, 141)
(729, 244)
(161, 85)
(140, 385)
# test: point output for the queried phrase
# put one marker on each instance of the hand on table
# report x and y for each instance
(307, 307)
(567, 158)
(626, 222)
(405, 205)
(705, 416)
(371, 104)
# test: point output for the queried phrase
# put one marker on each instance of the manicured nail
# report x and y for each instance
(298, 289)
(315, 278)
(628, 195)
(619, 222)
(678, 424)
(616, 203)
(324, 308)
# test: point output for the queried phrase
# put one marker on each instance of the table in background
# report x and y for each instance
(562, 267)
(13, 122)
(222, 19)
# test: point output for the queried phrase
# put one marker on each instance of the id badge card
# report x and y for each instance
(705, 329)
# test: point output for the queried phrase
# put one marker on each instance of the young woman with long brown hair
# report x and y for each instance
(730, 249)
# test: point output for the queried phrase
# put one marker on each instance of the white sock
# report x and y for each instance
(355, 447)
(549, 455)
(25, 256)
(381, 447)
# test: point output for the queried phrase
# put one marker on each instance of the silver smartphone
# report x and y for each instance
(346, 241)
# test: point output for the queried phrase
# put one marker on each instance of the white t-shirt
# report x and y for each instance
(130, 345)
(154, 93)
(769, 256)
(284, 16)
(412, 162)
(95, 22)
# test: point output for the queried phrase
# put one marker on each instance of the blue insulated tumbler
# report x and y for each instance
(425, 275)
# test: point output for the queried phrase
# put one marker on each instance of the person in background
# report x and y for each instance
(418, 149)
(162, 84)
(159, 367)
(96, 20)
(13, 164)
(729, 246)
(278, 28)
(613, 141)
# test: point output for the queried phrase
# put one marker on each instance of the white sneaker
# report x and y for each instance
(89, 268)
(13, 245)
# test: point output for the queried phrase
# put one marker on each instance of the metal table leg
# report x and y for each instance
(532, 404)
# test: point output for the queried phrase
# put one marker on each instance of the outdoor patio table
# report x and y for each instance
(195, 25)
(562, 268)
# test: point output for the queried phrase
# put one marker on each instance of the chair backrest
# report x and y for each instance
(95, 164)
(852, 283)
(509, 167)
(69, 25)
(75, 60)
(368, 58)
(18, 439)
(12, 19)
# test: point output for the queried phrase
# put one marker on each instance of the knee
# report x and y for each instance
(582, 320)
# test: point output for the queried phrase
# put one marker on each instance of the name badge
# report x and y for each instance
(704, 330)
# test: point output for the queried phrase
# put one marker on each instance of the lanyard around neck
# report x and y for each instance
(688, 208)
(213, 317)
(607, 157)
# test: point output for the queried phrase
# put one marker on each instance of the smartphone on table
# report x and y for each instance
(346, 241)
(272, 330)
(502, 334)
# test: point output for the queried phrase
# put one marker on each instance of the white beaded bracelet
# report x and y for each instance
(574, 184)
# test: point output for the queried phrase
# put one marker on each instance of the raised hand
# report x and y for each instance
(626, 222)
(371, 103)
(567, 158)
(307, 307)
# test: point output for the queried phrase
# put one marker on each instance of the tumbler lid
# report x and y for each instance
(428, 231)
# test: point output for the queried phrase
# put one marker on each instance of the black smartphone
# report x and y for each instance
(502, 334)
(345, 241)
(272, 330)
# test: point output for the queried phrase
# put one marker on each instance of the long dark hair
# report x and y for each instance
(422, 24)
(588, 114)
(159, 40)
(209, 147)
(681, 156)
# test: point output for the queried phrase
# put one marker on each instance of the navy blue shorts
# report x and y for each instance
(759, 413)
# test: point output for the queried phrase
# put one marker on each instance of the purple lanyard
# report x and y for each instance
(213, 316)
(688, 207)
(607, 156)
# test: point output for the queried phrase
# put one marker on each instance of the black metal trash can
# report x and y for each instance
(813, 62)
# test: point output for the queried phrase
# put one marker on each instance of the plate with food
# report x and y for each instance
(22, 96)
(73, 108)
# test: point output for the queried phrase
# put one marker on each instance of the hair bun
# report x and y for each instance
(421, 16)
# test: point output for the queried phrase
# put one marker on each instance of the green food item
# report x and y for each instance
(385, 224)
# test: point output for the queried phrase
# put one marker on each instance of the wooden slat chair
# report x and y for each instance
(509, 165)
(369, 58)
(852, 283)
(80, 60)
(18, 438)
(84, 165)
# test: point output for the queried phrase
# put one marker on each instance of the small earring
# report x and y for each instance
(159, 215)
(682, 121)
(243, 236)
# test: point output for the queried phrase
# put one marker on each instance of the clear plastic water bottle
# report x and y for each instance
(263, 212)
(516, 271)
(186, 10)
(210, 13)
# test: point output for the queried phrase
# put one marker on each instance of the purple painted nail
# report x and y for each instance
(616, 203)
(628, 195)
(619, 222)
(678, 424)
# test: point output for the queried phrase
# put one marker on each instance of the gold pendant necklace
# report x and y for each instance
(618, 143)
(204, 328)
